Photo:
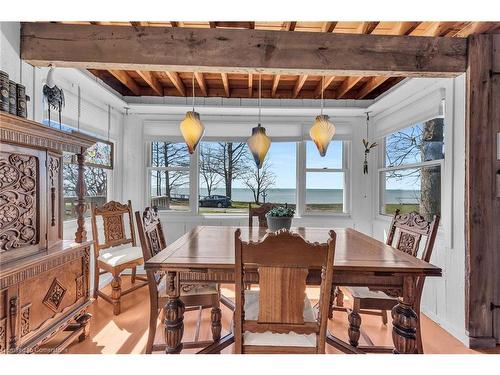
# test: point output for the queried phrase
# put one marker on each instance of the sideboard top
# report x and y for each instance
(21, 131)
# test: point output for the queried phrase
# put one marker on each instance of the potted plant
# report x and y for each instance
(280, 218)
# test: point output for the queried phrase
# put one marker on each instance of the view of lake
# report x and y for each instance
(313, 195)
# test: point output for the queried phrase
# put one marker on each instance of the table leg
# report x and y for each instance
(174, 315)
(404, 319)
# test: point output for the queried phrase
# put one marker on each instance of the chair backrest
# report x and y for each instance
(260, 212)
(283, 260)
(113, 214)
(412, 227)
(150, 232)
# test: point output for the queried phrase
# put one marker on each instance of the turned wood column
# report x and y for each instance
(80, 208)
(174, 315)
(404, 319)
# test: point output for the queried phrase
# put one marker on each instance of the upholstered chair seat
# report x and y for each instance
(116, 256)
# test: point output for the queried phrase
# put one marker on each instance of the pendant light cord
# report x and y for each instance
(322, 89)
(193, 91)
(367, 121)
(260, 89)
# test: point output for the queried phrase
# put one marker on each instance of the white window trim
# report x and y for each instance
(346, 202)
(383, 168)
(300, 187)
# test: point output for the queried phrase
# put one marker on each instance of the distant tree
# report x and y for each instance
(208, 168)
(95, 180)
(260, 180)
(423, 142)
(231, 162)
(167, 154)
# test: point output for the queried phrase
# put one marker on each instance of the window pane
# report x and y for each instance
(416, 144)
(415, 189)
(325, 191)
(100, 154)
(167, 154)
(96, 180)
(230, 181)
(170, 190)
(332, 159)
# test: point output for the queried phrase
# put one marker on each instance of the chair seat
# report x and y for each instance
(362, 292)
(271, 338)
(116, 256)
(189, 289)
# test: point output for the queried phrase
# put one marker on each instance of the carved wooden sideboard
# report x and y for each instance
(44, 280)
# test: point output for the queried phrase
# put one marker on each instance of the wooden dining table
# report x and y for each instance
(206, 254)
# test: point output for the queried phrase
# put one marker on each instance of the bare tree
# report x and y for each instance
(419, 143)
(231, 162)
(208, 169)
(167, 154)
(260, 180)
(95, 180)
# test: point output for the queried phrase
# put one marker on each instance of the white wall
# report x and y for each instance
(418, 100)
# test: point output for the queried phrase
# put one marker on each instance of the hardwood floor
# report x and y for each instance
(128, 332)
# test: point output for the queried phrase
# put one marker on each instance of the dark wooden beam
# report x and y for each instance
(212, 50)
(368, 27)
(482, 205)
(289, 26)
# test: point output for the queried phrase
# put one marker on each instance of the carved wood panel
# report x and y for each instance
(3, 335)
(25, 319)
(19, 226)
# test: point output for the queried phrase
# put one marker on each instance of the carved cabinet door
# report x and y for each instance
(23, 203)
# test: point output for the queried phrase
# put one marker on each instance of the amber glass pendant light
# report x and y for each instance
(192, 128)
(259, 142)
(323, 129)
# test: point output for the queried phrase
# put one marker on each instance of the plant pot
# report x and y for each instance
(275, 223)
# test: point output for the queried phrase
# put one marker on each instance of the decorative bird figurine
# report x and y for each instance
(53, 95)
(368, 147)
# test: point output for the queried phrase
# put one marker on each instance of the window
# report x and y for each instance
(230, 181)
(411, 174)
(98, 163)
(168, 176)
(326, 179)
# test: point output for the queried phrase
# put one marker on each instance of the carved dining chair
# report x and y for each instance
(117, 253)
(409, 230)
(194, 296)
(279, 318)
(260, 213)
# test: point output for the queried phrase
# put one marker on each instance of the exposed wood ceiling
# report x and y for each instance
(238, 85)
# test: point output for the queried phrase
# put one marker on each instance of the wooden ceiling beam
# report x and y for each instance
(298, 85)
(405, 28)
(369, 86)
(177, 82)
(151, 80)
(139, 23)
(321, 88)
(289, 26)
(225, 83)
(201, 82)
(476, 28)
(174, 23)
(347, 85)
(250, 85)
(276, 82)
(367, 27)
(126, 80)
(124, 48)
(328, 27)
